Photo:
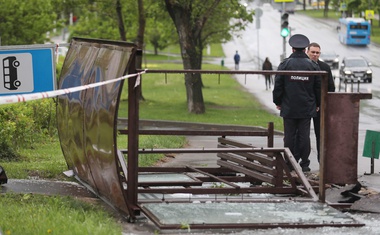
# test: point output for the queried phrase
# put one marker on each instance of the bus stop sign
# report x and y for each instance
(369, 14)
(26, 69)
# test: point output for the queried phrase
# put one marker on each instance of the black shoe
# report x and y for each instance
(355, 189)
(350, 200)
(306, 169)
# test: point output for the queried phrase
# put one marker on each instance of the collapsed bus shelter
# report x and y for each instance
(226, 196)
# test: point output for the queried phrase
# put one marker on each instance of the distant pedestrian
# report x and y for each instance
(267, 65)
(237, 60)
(298, 99)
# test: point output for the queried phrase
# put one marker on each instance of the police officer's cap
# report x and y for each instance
(299, 41)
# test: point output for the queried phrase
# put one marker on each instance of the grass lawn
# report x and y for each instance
(225, 100)
(38, 214)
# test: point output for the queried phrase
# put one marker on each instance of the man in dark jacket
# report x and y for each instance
(237, 60)
(267, 65)
(314, 51)
(298, 99)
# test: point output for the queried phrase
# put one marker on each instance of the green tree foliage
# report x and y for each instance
(335, 4)
(25, 21)
(98, 19)
(371, 5)
(63, 9)
(160, 30)
(358, 7)
(229, 18)
(353, 6)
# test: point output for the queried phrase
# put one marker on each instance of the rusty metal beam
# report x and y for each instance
(266, 178)
(217, 190)
(261, 72)
(206, 150)
(198, 132)
(300, 174)
(234, 158)
(213, 177)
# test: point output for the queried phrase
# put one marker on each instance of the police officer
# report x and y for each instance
(298, 99)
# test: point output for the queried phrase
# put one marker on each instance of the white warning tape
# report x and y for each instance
(10, 99)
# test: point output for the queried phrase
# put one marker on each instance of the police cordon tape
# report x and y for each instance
(10, 99)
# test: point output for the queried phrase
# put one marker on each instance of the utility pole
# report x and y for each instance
(285, 30)
(258, 14)
(282, 26)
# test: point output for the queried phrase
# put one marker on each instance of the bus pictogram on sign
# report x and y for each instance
(16, 74)
(10, 65)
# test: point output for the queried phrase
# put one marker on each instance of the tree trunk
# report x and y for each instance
(140, 34)
(120, 21)
(193, 81)
(140, 40)
(189, 38)
(195, 103)
(326, 9)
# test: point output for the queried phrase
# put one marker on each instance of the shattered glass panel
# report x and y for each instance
(164, 178)
(250, 213)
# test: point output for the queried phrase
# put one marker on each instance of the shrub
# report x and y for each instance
(24, 123)
(7, 153)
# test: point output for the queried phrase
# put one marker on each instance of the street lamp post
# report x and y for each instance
(285, 30)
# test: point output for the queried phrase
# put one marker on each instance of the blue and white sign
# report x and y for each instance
(27, 69)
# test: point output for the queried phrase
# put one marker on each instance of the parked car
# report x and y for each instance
(355, 69)
(330, 58)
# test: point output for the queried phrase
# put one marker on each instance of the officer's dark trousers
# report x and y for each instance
(317, 131)
(297, 139)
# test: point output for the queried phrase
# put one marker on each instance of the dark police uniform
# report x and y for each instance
(298, 97)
